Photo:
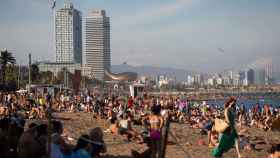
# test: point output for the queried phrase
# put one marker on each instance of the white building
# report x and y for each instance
(97, 43)
(198, 79)
(236, 79)
(219, 81)
(190, 80)
(211, 81)
(68, 35)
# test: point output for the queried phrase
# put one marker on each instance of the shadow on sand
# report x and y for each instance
(120, 156)
(135, 154)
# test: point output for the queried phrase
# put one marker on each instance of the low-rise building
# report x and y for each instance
(58, 67)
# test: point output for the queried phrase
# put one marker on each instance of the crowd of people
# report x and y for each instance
(150, 113)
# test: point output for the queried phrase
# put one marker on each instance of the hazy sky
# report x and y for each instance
(202, 35)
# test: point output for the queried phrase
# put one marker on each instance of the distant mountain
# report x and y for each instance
(153, 71)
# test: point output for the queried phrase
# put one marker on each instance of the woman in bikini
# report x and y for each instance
(155, 125)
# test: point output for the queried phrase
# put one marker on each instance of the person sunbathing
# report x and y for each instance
(125, 128)
(113, 129)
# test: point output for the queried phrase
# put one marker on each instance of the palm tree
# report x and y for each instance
(35, 74)
(5, 59)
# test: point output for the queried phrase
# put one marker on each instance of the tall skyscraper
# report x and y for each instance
(68, 35)
(97, 43)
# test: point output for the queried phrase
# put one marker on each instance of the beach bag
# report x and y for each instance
(155, 135)
(220, 125)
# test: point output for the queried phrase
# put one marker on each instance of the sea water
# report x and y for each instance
(248, 103)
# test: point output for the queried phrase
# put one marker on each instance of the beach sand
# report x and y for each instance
(76, 124)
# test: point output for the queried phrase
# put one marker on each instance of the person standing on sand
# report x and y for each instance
(268, 115)
(155, 125)
(229, 137)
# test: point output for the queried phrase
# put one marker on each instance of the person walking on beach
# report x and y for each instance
(229, 137)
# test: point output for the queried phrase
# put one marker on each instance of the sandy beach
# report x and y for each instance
(76, 124)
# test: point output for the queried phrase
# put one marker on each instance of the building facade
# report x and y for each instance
(97, 43)
(248, 77)
(68, 35)
(259, 76)
(268, 73)
(55, 68)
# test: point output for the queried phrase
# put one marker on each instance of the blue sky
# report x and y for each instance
(169, 33)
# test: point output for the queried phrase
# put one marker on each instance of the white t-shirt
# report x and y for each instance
(88, 99)
(124, 124)
(62, 98)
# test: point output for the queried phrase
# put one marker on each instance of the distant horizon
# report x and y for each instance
(193, 35)
(166, 67)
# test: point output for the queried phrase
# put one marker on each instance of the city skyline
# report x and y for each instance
(207, 36)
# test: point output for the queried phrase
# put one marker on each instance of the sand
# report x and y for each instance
(76, 124)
